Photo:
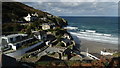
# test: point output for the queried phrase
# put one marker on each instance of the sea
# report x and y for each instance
(100, 29)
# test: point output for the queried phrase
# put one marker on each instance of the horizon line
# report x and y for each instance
(86, 16)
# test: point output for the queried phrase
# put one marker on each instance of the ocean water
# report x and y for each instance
(101, 29)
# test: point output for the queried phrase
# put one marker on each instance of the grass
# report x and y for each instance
(116, 54)
(65, 55)
(58, 63)
(60, 44)
(70, 46)
(42, 63)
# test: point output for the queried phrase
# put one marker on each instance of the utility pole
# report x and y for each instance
(87, 52)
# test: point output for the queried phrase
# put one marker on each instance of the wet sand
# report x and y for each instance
(95, 47)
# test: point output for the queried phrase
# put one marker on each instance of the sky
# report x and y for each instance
(76, 7)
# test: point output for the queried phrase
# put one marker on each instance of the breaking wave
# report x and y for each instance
(94, 36)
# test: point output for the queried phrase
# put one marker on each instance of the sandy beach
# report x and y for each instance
(96, 47)
(93, 46)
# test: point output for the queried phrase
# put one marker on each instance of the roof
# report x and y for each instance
(50, 37)
(66, 40)
(37, 33)
(49, 23)
(40, 32)
(45, 24)
(28, 15)
(76, 58)
(87, 58)
(14, 35)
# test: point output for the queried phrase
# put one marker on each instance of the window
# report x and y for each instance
(4, 42)
(11, 39)
(18, 38)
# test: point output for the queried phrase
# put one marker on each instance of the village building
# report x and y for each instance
(48, 43)
(35, 14)
(44, 18)
(45, 26)
(49, 15)
(105, 53)
(28, 17)
(76, 58)
(66, 42)
(49, 25)
(16, 45)
(67, 36)
(51, 37)
(49, 40)
(13, 37)
(14, 40)
(49, 32)
(41, 35)
(31, 17)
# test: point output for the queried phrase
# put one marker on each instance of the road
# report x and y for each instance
(46, 50)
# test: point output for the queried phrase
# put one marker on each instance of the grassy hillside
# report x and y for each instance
(13, 12)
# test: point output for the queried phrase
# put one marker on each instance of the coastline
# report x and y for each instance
(96, 47)
(93, 46)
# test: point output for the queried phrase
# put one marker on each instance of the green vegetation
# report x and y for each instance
(65, 64)
(116, 54)
(60, 44)
(11, 27)
(14, 11)
(43, 63)
(65, 55)
(61, 22)
(70, 46)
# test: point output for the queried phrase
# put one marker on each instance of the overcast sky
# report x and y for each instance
(76, 7)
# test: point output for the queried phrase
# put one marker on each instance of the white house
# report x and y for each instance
(40, 35)
(49, 15)
(35, 14)
(45, 26)
(16, 45)
(13, 40)
(105, 53)
(27, 18)
(13, 37)
(67, 36)
(31, 17)
(66, 42)
(48, 43)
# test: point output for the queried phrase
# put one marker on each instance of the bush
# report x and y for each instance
(11, 27)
